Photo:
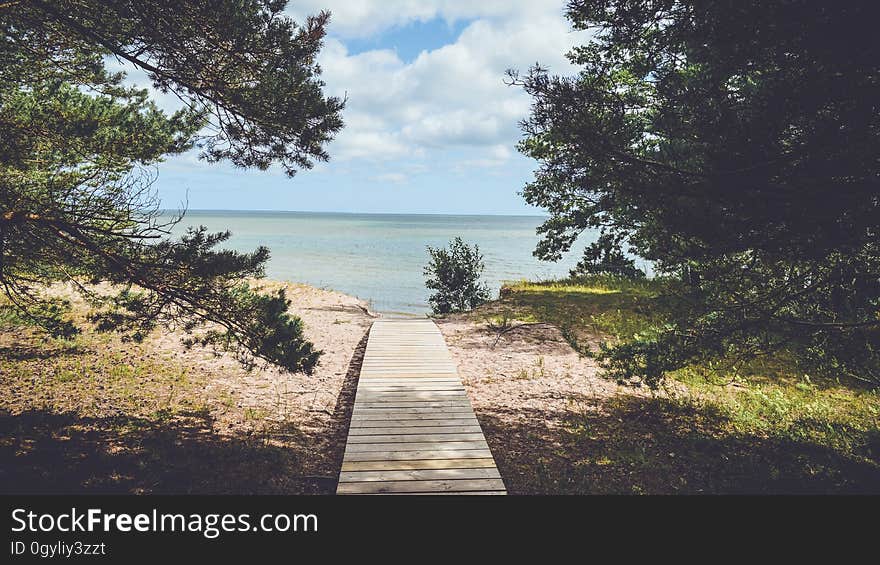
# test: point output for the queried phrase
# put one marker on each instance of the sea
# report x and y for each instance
(380, 257)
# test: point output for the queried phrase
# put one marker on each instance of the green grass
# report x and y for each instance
(588, 306)
(812, 427)
(837, 416)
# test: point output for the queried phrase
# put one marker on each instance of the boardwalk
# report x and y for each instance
(413, 430)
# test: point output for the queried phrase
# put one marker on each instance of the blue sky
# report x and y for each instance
(430, 125)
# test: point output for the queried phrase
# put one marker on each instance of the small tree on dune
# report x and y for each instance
(605, 257)
(454, 274)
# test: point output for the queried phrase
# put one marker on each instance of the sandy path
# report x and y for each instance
(526, 389)
(334, 322)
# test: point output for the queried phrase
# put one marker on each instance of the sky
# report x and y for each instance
(430, 125)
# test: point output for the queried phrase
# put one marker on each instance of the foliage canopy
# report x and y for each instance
(78, 150)
(737, 144)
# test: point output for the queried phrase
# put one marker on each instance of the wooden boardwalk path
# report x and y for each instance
(413, 430)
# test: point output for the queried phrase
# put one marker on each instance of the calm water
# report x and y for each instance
(379, 257)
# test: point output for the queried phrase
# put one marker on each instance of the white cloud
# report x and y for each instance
(489, 158)
(395, 178)
(450, 97)
(363, 18)
(448, 100)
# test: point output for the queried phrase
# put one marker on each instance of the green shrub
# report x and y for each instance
(453, 274)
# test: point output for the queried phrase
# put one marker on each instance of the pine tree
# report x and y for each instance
(79, 149)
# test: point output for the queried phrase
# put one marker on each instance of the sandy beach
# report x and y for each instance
(226, 429)
(528, 388)
(264, 430)
(99, 414)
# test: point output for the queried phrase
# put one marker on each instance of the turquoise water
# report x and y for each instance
(380, 257)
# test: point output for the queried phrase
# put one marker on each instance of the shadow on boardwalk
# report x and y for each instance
(345, 406)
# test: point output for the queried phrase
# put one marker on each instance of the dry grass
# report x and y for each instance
(99, 415)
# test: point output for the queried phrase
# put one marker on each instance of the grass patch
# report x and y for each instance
(761, 426)
(586, 307)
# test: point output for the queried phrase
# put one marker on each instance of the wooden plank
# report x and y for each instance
(485, 462)
(414, 413)
(414, 404)
(451, 485)
(391, 412)
(391, 353)
(395, 398)
(418, 392)
(414, 423)
(400, 389)
(444, 373)
(388, 411)
(416, 446)
(413, 380)
(427, 366)
(406, 376)
(468, 493)
(415, 401)
(413, 430)
(432, 343)
(459, 421)
(414, 369)
(415, 438)
(384, 419)
(410, 355)
(414, 357)
(438, 353)
(419, 361)
(437, 348)
(419, 365)
(419, 475)
(413, 396)
(418, 408)
(392, 387)
(451, 402)
(444, 389)
(427, 382)
(424, 454)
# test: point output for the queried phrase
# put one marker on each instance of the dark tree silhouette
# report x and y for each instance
(737, 142)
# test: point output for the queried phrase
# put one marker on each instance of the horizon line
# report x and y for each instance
(176, 210)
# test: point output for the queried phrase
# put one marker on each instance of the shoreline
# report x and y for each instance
(209, 211)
